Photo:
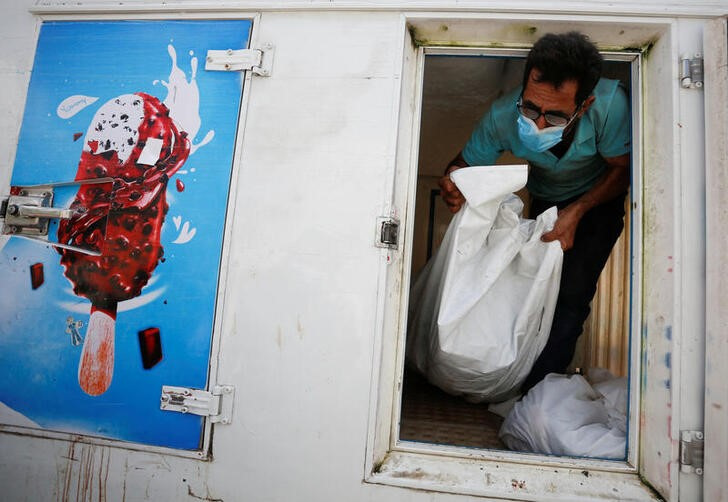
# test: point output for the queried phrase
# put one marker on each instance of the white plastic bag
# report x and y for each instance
(565, 415)
(481, 310)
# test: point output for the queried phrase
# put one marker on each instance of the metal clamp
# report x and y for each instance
(28, 211)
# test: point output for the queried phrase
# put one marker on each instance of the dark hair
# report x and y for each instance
(566, 56)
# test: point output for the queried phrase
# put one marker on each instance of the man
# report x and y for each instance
(573, 128)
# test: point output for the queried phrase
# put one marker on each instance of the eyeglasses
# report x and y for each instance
(553, 118)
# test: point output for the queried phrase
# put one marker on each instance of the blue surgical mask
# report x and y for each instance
(535, 139)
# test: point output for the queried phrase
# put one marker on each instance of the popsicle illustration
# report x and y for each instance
(132, 140)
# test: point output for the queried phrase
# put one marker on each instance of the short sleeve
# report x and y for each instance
(615, 137)
(483, 148)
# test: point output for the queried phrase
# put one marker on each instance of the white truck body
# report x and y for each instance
(309, 317)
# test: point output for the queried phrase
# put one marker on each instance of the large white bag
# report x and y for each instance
(565, 415)
(481, 310)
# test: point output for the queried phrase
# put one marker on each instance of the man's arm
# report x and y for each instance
(450, 193)
(614, 182)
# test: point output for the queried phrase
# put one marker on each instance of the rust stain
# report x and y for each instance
(86, 476)
(279, 338)
(518, 485)
(416, 474)
(206, 498)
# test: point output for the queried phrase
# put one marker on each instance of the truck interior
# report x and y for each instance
(456, 91)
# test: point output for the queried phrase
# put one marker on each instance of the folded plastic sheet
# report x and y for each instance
(481, 310)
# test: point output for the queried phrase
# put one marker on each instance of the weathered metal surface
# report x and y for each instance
(716, 370)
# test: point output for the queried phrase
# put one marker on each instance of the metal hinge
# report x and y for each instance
(691, 452)
(691, 71)
(387, 232)
(216, 405)
(259, 61)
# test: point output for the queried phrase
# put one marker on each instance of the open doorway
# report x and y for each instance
(457, 90)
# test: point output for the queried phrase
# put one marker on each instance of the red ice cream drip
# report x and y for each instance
(122, 221)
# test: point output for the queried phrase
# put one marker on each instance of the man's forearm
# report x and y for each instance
(614, 182)
(456, 163)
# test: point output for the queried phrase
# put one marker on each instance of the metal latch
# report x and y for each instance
(387, 232)
(691, 452)
(691, 71)
(217, 405)
(259, 61)
(27, 211)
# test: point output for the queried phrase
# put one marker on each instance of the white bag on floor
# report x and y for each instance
(565, 415)
(481, 310)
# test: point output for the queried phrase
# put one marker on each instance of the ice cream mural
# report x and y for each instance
(133, 139)
(158, 142)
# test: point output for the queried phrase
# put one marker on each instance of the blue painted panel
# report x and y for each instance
(91, 80)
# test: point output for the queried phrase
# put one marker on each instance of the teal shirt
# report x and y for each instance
(603, 131)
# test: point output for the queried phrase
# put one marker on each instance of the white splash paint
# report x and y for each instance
(183, 100)
(177, 221)
(84, 306)
(185, 234)
(74, 104)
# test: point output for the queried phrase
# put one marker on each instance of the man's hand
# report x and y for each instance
(450, 193)
(614, 182)
(565, 227)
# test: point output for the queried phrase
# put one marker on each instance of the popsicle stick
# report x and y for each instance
(96, 367)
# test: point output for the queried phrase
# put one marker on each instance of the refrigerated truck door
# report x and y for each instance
(89, 334)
